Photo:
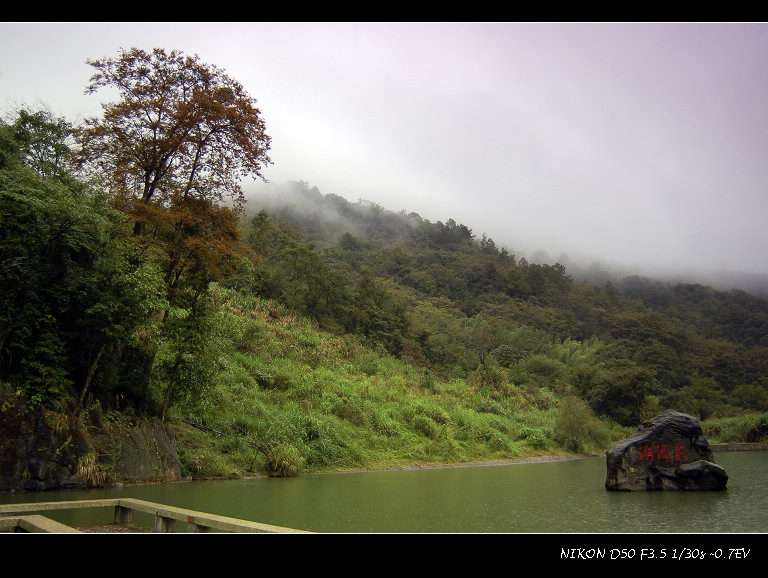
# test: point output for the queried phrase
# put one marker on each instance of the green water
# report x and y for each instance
(555, 497)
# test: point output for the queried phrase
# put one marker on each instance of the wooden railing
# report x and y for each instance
(19, 517)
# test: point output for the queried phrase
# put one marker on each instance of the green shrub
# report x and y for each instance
(577, 428)
(424, 425)
(383, 423)
(284, 461)
(495, 439)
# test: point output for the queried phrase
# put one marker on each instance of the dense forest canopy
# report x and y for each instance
(117, 243)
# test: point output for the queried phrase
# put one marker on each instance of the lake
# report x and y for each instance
(548, 497)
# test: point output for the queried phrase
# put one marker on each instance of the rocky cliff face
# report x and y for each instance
(45, 450)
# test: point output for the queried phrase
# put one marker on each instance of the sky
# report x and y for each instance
(641, 145)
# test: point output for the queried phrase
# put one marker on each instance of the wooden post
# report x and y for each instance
(164, 525)
(123, 515)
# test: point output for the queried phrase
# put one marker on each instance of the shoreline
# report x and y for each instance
(760, 446)
(507, 462)
(403, 468)
(478, 464)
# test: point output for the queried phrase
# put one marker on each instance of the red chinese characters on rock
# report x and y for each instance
(661, 453)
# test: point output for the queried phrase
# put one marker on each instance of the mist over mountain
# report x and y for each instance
(305, 205)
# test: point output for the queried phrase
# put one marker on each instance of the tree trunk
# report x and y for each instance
(171, 381)
(88, 379)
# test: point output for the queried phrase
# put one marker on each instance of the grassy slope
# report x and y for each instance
(313, 401)
(295, 399)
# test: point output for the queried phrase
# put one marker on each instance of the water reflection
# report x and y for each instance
(566, 496)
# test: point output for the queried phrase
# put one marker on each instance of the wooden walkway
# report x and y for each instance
(26, 517)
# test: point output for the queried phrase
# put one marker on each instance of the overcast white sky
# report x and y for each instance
(642, 144)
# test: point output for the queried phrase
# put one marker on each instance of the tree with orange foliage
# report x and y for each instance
(182, 129)
(173, 149)
(172, 152)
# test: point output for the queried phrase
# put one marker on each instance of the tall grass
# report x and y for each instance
(290, 398)
(745, 429)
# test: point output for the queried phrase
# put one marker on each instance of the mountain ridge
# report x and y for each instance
(300, 196)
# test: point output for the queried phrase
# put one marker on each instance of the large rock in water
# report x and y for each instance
(668, 452)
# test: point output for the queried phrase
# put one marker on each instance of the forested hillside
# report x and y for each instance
(457, 302)
(316, 332)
